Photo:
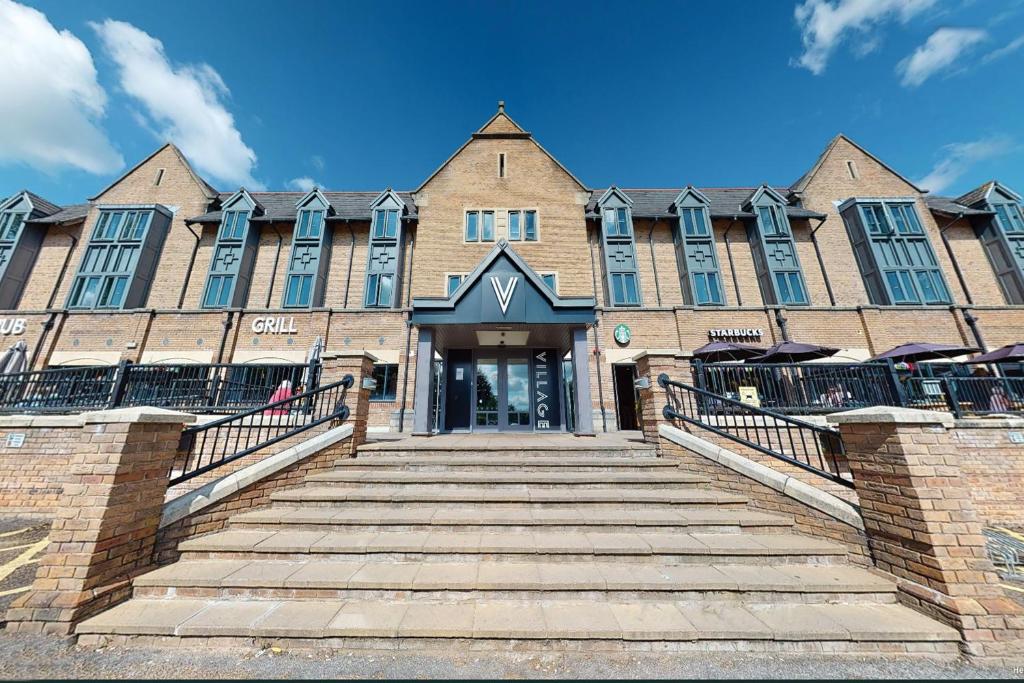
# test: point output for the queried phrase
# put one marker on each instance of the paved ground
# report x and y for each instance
(22, 542)
(24, 656)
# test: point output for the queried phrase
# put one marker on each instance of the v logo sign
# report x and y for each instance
(504, 292)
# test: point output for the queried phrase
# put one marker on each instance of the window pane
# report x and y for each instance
(767, 223)
(781, 222)
(453, 283)
(378, 224)
(618, 294)
(928, 293)
(913, 225)
(549, 280)
(700, 288)
(531, 226)
(370, 298)
(472, 230)
(392, 225)
(112, 225)
(629, 281)
(386, 376)
(303, 231)
(624, 230)
(101, 226)
(487, 229)
(291, 291)
(699, 223)
(513, 226)
(715, 296)
(90, 289)
(796, 288)
(5, 219)
(609, 222)
(316, 224)
(1016, 219)
(384, 299)
(782, 284)
(688, 222)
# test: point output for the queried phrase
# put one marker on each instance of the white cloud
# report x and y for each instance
(959, 157)
(1005, 50)
(318, 162)
(185, 103)
(51, 102)
(825, 24)
(303, 184)
(940, 51)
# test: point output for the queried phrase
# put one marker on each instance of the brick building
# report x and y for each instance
(507, 271)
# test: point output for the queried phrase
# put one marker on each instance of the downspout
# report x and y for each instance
(408, 338)
(972, 322)
(597, 343)
(821, 262)
(63, 271)
(351, 255)
(783, 324)
(191, 262)
(654, 261)
(226, 323)
(273, 271)
(47, 326)
(952, 258)
(732, 265)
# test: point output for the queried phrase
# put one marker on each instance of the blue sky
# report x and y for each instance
(358, 96)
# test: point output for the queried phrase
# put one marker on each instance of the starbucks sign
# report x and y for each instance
(622, 334)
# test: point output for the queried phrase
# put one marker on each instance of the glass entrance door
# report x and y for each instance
(502, 392)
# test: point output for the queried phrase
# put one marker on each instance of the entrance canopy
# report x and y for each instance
(503, 290)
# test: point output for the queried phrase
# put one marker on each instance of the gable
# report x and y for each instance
(831, 166)
(178, 177)
(500, 123)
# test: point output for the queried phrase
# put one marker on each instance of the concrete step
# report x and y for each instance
(497, 518)
(432, 546)
(674, 625)
(598, 581)
(488, 463)
(525, 450)
(615, 497)
(535, 480)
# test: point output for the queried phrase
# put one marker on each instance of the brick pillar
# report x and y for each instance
(650, 364)
(106, 523)
(359, 364)
(922, 526)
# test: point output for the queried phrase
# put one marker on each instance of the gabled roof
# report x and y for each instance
(723, 202)
(951, 207)
(258, 208)
(40, 207)
(482, 133)
(801, 184)
(384, 196)
(759, 192)
(208, 189)
(280, 207)
(614, 192)
(981, 194)
(690, 190)
(309, 196)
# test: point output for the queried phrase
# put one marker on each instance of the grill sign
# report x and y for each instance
(280, 325)
(736, 333)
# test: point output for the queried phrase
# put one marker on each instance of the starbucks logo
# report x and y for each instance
(622, 334)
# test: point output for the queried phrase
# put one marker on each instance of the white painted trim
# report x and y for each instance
(196, 500)
(783, 483)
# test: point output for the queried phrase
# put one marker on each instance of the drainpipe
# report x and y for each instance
(783, 324)
(972, 322)
(593, 268)
(408, 339)
(351, 255)
(191, 262)
(654, 261)
(273, 271)
(226, 324)
(952, 258)
(63, 271)
(821, 261)
(47, 326)
(732, 265)
(600, 383)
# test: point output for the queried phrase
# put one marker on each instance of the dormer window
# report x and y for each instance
(1009, 217)
(234, 253)
(20, 244)
(775, 257)
(385, 252)
(306, 279)
(1001, 235)
(619, 248)
(700, 279)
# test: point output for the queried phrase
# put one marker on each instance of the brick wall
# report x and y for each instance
(993, 468)
(32, 476)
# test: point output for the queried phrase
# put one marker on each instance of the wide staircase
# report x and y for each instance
(517, 547)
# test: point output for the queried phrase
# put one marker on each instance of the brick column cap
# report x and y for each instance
(140, 414)
(661, 353)
(353, 353)
(892, 415)
(7, 421)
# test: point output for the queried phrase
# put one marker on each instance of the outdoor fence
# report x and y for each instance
(198, 388)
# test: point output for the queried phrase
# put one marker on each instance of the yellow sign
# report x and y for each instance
(749, 396)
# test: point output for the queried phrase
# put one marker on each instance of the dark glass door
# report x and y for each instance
(458, 406)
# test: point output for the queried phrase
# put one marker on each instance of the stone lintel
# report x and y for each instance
(892, 415)
(349, 353)
(140, 414)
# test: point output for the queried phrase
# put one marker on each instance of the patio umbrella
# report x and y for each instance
(1011, 353)
(793, 352)
(15, 359)
(919, 351)
(717, 352)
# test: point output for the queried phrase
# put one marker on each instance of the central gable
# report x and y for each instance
(503, 289)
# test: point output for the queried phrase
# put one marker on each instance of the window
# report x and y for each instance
(472, 226)
(306, 277)
(386, 375)
(693, 222)
(233, 224)
(487, 226)
(298, 291)
(551, 280)
(385, 253)
(773, 220)
(159, 176)
(378, 290)
(501, 165)
(706, 290)
(110, 260)
(699, 279)
(776, 261)
(310, 225)
(624, 289)
(522, 225)
(479, 226)
(385, 225)
(9, 224)
(1009, 217)
(894, 254)
(851, 168)
(790, 288)
(619, 249)
(218, 291)
(453, 283)
(617, 223)
(233, 255)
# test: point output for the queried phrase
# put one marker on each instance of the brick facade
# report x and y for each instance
(35, 453)
(568, 244)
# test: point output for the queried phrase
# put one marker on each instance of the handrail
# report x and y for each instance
(814, 442)
(242, 434)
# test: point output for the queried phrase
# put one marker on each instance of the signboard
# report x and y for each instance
(274, 325)
(15, 439)
(622, 334)
(749, 396)
(546, 406)
(11, 326)
(748, 333)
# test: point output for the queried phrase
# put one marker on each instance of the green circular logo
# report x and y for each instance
(622, 333)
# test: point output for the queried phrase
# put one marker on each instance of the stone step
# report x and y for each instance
(619, 498)
(537, 463)
(599, 581)
(644, 452)
(296, 623)
(496, 518)
(535, 480)
(433, 546)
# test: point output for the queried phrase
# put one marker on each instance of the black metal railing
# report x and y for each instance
(965, 395)
(200, 388)
(810, 447)
(213, 444)
(802, 388)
